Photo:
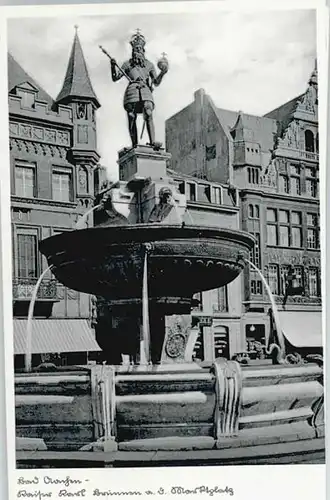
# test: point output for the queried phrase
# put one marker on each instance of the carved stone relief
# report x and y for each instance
(81, 110)
(269, 175)
(38, 148)
(54, 136)
(309, 101)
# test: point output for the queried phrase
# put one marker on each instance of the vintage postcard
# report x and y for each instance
(163, 169)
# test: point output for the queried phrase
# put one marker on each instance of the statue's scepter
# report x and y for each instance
(118, 67)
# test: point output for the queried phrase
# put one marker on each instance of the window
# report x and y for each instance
(271, 215)
(256, 287)
(295, 179)
(309, 141)
(294, 170)
(311, 238)
(221, 343)
(284, 228)
(27, 98)
(299, 276)
(204, 193)
(296, 229)
(284, 236)
(25, 180)
(255, 252)
(253, 175)
(216, 193)
(310, 172)
(27, 255)
(295, 186)
(254, 212)
(296, 240)
(311, 182)
(210, 152)
(271, 227)
(221, 300)
(284, 184)
(271, 234)
(312, 231)
(273, 278)
(61, 184)
(192, 191)
(313, 282)
(283, 275)
(181, 187)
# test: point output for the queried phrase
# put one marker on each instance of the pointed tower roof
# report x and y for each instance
(77, 82)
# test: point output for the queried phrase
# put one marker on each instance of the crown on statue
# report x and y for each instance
(138, 41)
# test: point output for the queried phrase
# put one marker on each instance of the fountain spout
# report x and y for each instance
(279, 333)
(83, 218)
(28, 348)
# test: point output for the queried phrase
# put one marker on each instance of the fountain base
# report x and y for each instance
(151, 416)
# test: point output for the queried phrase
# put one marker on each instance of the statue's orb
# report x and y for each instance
(163, 64)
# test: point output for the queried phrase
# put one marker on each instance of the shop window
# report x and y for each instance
(221, 343)
(313, 282)
(272, 278)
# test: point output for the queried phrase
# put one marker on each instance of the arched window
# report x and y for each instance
(251, 211)
(309, 141)
(317, 143)
(257, 211)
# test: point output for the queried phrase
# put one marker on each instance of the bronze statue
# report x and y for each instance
(141, 75)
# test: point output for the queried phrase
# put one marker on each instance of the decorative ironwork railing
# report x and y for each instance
(23, 289)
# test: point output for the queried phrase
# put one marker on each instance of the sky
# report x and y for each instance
(245, 61)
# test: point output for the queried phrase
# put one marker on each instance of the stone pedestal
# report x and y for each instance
(143, 171)
(142, 162)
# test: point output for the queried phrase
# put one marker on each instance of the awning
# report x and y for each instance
(302, 328)
(55, 336)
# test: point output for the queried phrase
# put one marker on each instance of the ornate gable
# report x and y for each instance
(27, 86)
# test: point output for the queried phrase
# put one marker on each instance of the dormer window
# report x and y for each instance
(27, 98)
(27, 93)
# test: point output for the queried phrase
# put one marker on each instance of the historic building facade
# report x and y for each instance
(273, 162)
(53, 155)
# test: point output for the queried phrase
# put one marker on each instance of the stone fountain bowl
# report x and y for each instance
(109, 261)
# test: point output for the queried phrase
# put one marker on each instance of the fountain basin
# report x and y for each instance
(226, 415)
(108, 261)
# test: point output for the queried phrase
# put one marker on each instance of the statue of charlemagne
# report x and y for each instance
(141, 75)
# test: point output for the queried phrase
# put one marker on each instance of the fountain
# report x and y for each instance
(144, 260)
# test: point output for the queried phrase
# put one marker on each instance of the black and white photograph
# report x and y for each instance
(165, 239)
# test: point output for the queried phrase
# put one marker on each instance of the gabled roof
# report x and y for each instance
(284, 113)
(227, 117)
(17, 76)
(77, 82)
